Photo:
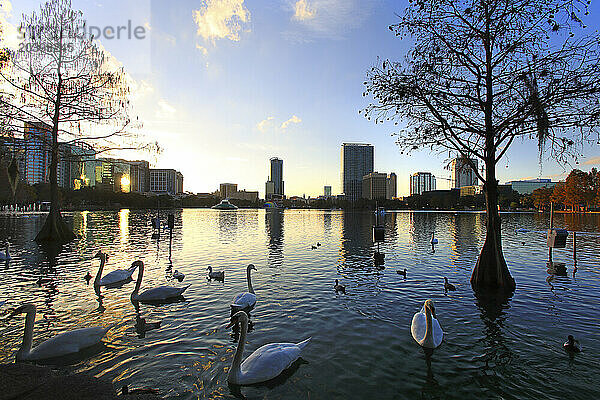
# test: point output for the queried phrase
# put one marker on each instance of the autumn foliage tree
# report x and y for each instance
(542, 197)
(482, 73)
(60, 80)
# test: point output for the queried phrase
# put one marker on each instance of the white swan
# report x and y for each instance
(425, 328)
(245, 301)
(160, 293)
(5, 256)
(59, 345)
(113, 277)
(267, 362)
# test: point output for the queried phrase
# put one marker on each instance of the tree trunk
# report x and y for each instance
(491, 272)
(55, 229)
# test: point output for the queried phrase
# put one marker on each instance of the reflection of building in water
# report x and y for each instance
(327, 222)
(356, 239)
(124, 225)
(274, 229)
(465, 230)
(80, 224)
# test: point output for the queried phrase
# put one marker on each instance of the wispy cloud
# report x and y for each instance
(266, 124)
(331, 19)
(303, 11)
(293, 120)
(592, 161)
(221, 19)
(165, 109)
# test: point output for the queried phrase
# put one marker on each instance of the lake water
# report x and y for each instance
(361, 343)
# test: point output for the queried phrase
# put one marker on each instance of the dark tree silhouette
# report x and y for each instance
(61, 81)
(481, 73)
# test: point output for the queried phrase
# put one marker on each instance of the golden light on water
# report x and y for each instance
(124, 225)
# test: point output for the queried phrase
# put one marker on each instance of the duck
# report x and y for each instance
(425, 328)
(339, 288)
(266, 362)
(6, 255)
(178, 275)
(318, 244)
(88, 277)
(572, 345)
(448, 285)
(60, 345)
(219, 275)
(403, 273)
(160, 293)
(433, 239)
(313, 247)
(247, 300)
(113, 277)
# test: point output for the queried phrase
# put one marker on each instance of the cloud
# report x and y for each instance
(165, 109)
(9, 34)
(293, 120)
(303, 11)
(331, 19)
(592, 161)
(221, 19)
(265, 124)
(202, 49)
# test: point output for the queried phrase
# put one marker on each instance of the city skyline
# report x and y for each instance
(196, 94)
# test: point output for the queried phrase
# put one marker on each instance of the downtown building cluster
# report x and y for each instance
(78, 166)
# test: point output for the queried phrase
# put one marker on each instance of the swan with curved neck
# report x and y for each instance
(114, 277)
(245, 301)
(265, 363)
(5, 256)
(60, 345)
(160, 293)
(425, 328)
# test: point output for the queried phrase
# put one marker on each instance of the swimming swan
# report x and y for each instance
(5, 256)
(425, 328)
(220, 275)
(267, 362)
(60, 345)
(247, 300)
(160, 293)
(113, 277)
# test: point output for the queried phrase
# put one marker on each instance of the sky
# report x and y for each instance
(224, 85)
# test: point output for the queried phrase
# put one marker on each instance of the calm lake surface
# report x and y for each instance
(361, 343)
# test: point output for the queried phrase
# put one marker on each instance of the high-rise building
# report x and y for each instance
(462, 173)
(275, 184)
(375, 186)
(139, 176)
(421, 182)
(38, 145)
(250, 195)
(392, 183)
(327, 191)
(226, 190)
(166, 181)
(357, 161)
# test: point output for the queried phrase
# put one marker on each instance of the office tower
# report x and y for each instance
(357, 161)
(38, 145)
(226, 190)
(274, 187)
(140, 176)
(327, 191)
(462, 173)
(374, 186)
(392, 182)
(421, 182)
(166, 181)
